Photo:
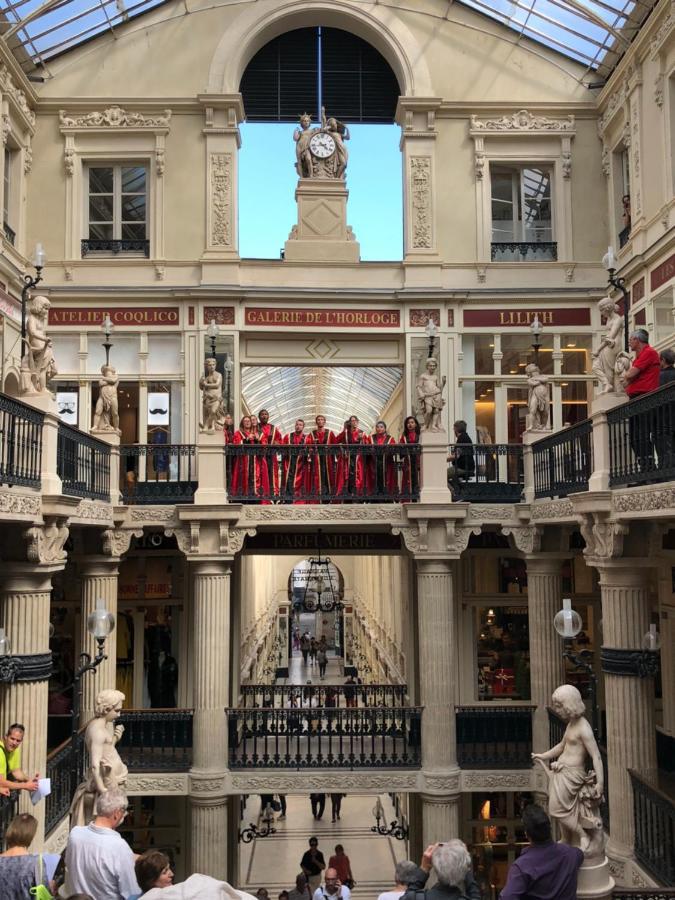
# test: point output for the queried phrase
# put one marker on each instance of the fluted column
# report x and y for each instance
(438, 680)
(99, 583)
(26, 592)
(544, 593)
(667, 629)
(211, 645)
(631, 739)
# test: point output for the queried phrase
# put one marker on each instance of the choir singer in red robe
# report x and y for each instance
(296, 466)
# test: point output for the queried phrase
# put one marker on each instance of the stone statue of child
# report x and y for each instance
(537, 398)
(213, 410)
(430, 396)
(302, 136)
(106, 414)
(574, 793)
(605, 357)
(106, 769)
(38, 364)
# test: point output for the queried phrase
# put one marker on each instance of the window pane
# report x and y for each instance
(518, 352)
(100, 232)
(100, 208)
(133, 208)
(575, 401)
(502, 206)
(133, 232)
(485, 412)
(133, 179)
(101, 180)
(537, 204)
(576, 354)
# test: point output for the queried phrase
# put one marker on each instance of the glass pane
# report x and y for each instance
(133, 179)
(101, 180)
(133, 232)
(100, 232)
(575, 399)
(503, 655)
(477, 351)
(502, 206)
(485, 413)
(100, 208)
(133, 208)
(576, 353)
(518, 352)
(536, 185)
(516, 413)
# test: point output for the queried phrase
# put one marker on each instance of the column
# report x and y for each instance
(667, 629)
(438, 670)
(208, 801)
(631, 739)
(544, 590)
(99, 583)
(26, 593)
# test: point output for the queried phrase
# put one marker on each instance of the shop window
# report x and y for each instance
(477, 350)
(502, 652)
(517, 353)
(664, 316)
(117, 210)
(522, 228)
(124, 354)
(485, 412)
(575, 400)
(67, 402)
(576, 354)
(164, 354)
(495, 835)
(66, 352)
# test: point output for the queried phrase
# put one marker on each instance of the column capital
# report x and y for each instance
(26, 578)
(211, 565)
(434, 565)
(623, 572)
(546, 563)
(98, 565)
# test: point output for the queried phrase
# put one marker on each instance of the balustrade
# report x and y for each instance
(563, 462)
(158, 473)
(20, 443)
(524, 251)
(268, 696)
(83, 464)
(494, 737)
(156, 740)
(642, 439)
(654, 815)
(57, 803)
(488, 473)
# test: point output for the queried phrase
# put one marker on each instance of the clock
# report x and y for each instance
(322, 145)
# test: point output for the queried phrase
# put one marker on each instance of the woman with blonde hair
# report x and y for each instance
(21, 870)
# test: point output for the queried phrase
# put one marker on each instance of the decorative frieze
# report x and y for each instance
(352, 782)
(663, 33)
(116, 541)
(157, 784)
(490, 781)
(643, 500)
(113, 117)
(420, 193)
(522, 121)
(221, 199)
(553, 509)
(26, 667)
(382, 512)
(19, 504)
(630, 663)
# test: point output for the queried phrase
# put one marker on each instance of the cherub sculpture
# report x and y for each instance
(38, 364)
(430, 396)
(106, 414)
(537, 398)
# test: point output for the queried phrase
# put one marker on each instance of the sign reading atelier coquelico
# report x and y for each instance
(152, 315)
(323, 318)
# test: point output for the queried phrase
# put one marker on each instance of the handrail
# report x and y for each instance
(654, 819)
(642, 439)
(20, 443)
(487, 473)
(563, 461)
(83, 463)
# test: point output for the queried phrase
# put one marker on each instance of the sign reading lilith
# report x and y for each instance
(321, 152)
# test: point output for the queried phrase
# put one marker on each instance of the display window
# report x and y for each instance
(502, 652)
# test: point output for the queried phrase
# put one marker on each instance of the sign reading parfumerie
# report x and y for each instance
(311, 318)
(81, 316)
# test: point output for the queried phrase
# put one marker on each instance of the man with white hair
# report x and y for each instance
(404, 873)
(99, 861)
(452, 867)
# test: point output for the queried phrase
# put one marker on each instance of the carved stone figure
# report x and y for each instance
(38, 364)
(537, 398)
(430, 396)
(320, 152)
(106, 414)
(575, 792)
(106, 769)
(301, 136)
(213, 411)
(605, 357)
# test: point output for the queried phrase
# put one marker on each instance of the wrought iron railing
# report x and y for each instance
(563, 462)
(487, 473)
(156, 740)
(9, 807)
(10, 234)
(115, 247)
(59, 770)
(20, 443)
(524, 251)
(642, 439)
(158, 473)
(83, 464)
(321, 738)
(654, 817)
(318, 473)
(494, 737)
(345, 696)
(624, 236)
(655, 893)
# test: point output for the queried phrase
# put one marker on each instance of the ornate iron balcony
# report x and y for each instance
(20, 443)
(115, 247)
(624, 236)
(494, 737)
(524, 251)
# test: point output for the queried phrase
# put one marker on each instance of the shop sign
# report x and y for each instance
(523, 318)
(322, 318)
(139, 316)
(348, 542)
(662, 273)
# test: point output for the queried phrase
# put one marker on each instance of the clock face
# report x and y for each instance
(322, 145)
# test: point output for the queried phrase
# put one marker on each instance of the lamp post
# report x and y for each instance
(619, 284)
(431, 331)
(398, 830)
(28, 284)
(228, 367)
(536, 329)
(567, 622)
(107, 329)
(212, 333)
(100, 624)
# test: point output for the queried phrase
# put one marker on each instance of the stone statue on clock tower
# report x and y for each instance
(321, 152)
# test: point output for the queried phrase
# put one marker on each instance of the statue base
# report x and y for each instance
(595, 881)
(435, 467)
(322, 233)
(604, 402)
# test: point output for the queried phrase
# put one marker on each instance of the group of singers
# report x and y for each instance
(352, 469)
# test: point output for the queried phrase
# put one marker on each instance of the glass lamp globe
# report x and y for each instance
(567, 621)
(5, 646)
(100, 622)
(651, 640)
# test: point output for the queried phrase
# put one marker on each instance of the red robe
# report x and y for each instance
(321, 467)
(381, 477)
(410, 478)
(350, 479)
(295, 484)
(270, 434)
(249, 478)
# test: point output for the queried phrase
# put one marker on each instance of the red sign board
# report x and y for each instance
(81, 316)
(322, 318)
(523, 318)
(663, 273)
(638, 290)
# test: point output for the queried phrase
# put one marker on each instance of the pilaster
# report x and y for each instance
(99, 584)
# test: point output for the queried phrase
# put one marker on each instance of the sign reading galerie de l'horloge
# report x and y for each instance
(311, 318)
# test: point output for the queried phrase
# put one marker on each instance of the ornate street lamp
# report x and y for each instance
(228, 367)
(619, 284)
(536, 329)
(396, 829)
(29, 283)
(567, 622)
(107, 329)
(319, 576)
(431, 331)
(212, 333)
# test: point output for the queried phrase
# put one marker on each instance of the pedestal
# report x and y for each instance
(211, 469)
(594, 881)
(51, 483)
(435, 468)
(322, 233)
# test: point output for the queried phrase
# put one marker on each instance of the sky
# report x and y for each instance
(267, 181)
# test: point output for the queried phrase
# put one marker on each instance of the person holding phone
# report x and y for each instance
(332, 888)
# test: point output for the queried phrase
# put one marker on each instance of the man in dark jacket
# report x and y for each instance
(463, 464)
(452, 866)
(666, 361)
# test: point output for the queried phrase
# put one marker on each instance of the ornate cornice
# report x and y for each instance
(631, 663)
(644, 500)
(520, 122)
(113, 117)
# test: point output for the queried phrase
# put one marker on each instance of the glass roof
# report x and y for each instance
(594, 32)
(304, 392)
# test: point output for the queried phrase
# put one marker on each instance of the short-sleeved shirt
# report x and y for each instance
(313, 864)
(9, 762)
(647, 361)
(101, 863)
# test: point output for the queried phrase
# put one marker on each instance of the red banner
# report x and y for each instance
(663, 273)
(523, 318)
(638, 290)
(323, 318)
(81, 316)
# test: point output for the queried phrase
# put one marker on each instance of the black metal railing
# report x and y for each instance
(494, 737)
(524, 251)
(9, 807)
(156, 740)
(158, 473)
(83, 464)
(321, 738)
(114, 247)
(345, 696)
(642, 439)
(654, 817)
(317, 473)
(563, 462)
(655, 893)
(624, 236)
(20, 443)
(57, 803)
(487, 473)
(10, 234)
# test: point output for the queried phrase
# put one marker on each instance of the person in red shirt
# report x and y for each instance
(641, 378)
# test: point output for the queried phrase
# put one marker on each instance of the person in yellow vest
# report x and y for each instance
(12, 777)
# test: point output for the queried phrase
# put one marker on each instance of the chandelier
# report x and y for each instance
(319, 588)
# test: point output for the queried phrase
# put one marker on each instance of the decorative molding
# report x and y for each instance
(200, 785)
(617, 869)
(420, 194)
(235, 539)
(5, 127)
(605, 161)
(457, 538)
(603, 539)
(25, 667)
(27, 159)
(113, 117)
(157, 784)
(441, 783)
(527, 538)
(522, 121)
(552, 509)
(349, 782)
(663, 32)
(152, 514)
(45, 544)
(479, 165)
(159, 272)
(567, 163)
(20, 504)
(382, 512)
(491, 780)
(628, 662)
(615, 102)
(8, 86)
(481, 274)
(187, 538)
(488, 513)
(160, 161)
(221, 200)
(418, 318)
(224, 315)
(644, 500)
(69, 161)
(87, 509)
(569, 273)
(658, 90)
(116, 542)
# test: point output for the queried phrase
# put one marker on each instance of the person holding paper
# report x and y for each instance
(12, 777)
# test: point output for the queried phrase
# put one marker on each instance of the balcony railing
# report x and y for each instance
(156, 740)
(83, 464)
(341, 473)
(115, 247)
(494, 737)
(524, 251)
(654, 817)
(340, 696)
(10, 234)
(624, 236)
(324, 738)
(158, 473)
(57, 803)
(642, 439)
(655, 893)
(20, 443)
(563, 462)
(488, 473)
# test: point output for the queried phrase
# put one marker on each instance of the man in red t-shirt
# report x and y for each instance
(641, 378)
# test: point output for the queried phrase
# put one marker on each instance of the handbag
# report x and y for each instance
(40, 891)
